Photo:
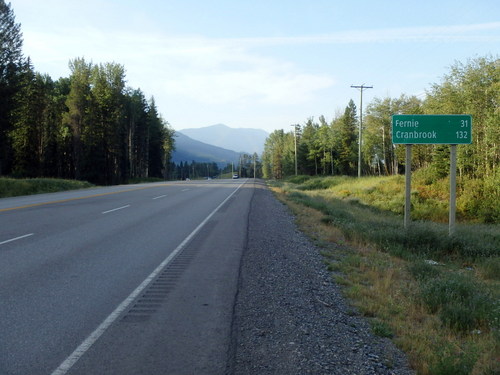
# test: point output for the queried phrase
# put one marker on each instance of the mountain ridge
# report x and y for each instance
(241, 140)
(188, 150)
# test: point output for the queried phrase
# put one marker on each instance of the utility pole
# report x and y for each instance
(361, 88)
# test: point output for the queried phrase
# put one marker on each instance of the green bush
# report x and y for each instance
(422, 270)
(453, 362)
(381, 329)
(461, 303)
(298, 179)
(426, 175)
(478, 199)
(489, 268)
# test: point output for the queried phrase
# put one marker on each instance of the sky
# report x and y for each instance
(265, 64)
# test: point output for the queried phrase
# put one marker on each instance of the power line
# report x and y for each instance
(361, 88)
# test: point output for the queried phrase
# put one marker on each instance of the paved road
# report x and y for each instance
(125, 280)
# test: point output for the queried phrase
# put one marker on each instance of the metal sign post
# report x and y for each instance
(408, 187)
(453, 190)
(432, 129)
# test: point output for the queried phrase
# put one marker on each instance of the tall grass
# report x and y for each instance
(477, 200)
(11, 187)
(462, 303)
(367, 224)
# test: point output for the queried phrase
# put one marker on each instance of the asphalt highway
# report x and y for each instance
(134, 279)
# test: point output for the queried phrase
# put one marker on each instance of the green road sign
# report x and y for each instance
(432, 129)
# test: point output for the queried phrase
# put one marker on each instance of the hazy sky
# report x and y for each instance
(261, 63)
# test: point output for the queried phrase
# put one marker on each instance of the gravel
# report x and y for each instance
(290, 316)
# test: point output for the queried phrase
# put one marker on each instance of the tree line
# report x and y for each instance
(88, 126)
(331, 148)
(247, 166)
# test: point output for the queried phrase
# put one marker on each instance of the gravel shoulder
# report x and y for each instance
(290, 316)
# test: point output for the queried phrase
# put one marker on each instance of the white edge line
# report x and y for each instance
(17, 238)
(161, 196)
(116, 209)
(69, 362)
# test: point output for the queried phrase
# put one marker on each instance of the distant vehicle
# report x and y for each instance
(235, 176)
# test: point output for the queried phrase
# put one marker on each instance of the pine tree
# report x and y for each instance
(136, 109)
(169, 148)
(11, 62)
(310, 147)
(107, 143)
(31, 123)
(77, 117)
(156, 139)
(345, 136)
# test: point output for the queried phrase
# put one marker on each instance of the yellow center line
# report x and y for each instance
(79, 198)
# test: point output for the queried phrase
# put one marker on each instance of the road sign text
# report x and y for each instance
(431, 129)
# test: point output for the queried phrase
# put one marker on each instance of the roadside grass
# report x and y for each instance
(436, 297)
(12, 187)
(476, 201)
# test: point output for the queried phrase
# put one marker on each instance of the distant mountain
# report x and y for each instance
(188, 149)
(240, 140)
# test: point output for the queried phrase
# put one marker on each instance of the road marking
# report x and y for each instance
(80, 198)
(185, 189)
(161, 196)
(17, 238)
(116, 209)
(99, 331)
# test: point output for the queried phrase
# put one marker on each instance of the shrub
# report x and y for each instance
(462, 303)
(422, 270)
(426, 175)
(453, 362)
(381, 328)
(489, 268)
(478, 199)
(298, 179)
